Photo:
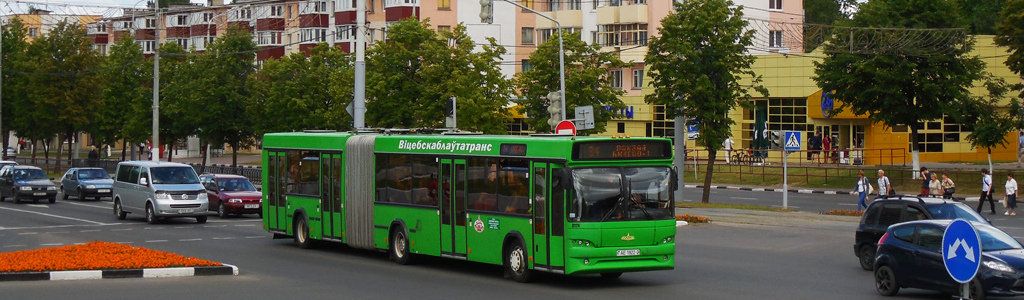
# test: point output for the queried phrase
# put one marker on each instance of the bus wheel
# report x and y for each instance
(515, 263)
(399, 247)
(611, 275)
(302, 233)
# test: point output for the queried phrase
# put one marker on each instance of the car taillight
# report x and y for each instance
(883, 239)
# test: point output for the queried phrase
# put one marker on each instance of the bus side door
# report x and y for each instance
(453, 207)
(274, 215)
(548, 221)
(539, 192)
(330, 195)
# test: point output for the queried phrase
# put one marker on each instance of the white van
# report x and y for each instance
(159, 190)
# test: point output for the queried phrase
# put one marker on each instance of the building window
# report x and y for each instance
(596, 3)
(345, 33)
(33, 32)
(313, 35)
(268, 38)
(553, 5)
(527, 38)
(774, 4)
(150, 23)
(147, 46)
(181, 20)
(775, 39)
(277, 11)
(546, 34)
(615, 76)
(444, 28)
(620, 127)
(342, 5)
(444, 4)
(183, 43)
(574, 5)
(622, 35)
(526, 65)
(638, 79)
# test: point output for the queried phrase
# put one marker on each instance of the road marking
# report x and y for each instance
(52, 215)
(189, 240)
(156, 241)
(13, 246)
(245, 225)
(212, 226)
(24, 233)
(38, 205)
(60, 226)
(180, 227)
(122, 229)
(220, 221)
(737, 198)
(223, 238)
(254, 237)
(52, 244)
(148, 228)
(88, 205)
(125, 242)
(78, 244)
(89, 230)
(848, 204)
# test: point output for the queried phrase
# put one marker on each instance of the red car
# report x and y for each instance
(232, 195)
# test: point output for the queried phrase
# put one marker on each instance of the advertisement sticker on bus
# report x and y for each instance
(478, 225)
(493, 223)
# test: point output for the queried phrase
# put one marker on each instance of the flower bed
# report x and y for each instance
(693, 218)
(95, 256)
(844, 212)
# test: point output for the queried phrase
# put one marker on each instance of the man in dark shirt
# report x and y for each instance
(925, 175)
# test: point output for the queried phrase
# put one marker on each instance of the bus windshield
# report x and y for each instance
(621, 194)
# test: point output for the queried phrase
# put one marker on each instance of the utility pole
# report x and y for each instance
(156, 84)
(359, 108)
(679, 135)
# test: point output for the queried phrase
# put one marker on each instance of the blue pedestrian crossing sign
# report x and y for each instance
(792, 141)
(961, 251)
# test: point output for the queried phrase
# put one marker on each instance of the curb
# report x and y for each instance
(796, 191)
(225, 269)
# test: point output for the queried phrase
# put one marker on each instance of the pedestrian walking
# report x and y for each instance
(948, 187)
(935, 186)
(1020, 147)
(1011, 195)
(986, 191)
(826, 146)
(863, 187)
(727, 145)
(884, 186)
(925, 182)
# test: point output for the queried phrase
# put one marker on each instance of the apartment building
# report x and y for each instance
(39, 22)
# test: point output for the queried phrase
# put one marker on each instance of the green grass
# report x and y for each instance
(732, 206)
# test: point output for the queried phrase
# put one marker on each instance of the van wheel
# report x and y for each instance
(399, 247)
(302, 234)
(515, 263)
(53, 200)
(150, 214)
(118, 211)
(976, 290)
(885, 281)
(201, 219)
(64, 194)
(17, 199)
(867, 257)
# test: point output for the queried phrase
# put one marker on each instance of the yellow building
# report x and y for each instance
(39, 22)
(794, 104)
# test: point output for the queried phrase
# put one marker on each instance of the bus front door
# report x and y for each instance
(548, 223)
(540, 225)
(453, 207)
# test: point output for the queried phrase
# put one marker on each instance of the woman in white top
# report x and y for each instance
(935, 186)
(1011, 195)
(863, 186)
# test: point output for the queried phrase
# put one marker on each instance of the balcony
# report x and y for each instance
(313, 7)
(239, 14)
(568, 18)
(633, 13)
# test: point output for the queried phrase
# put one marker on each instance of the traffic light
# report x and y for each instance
(554, 108)
(487, 11)
(449, 107)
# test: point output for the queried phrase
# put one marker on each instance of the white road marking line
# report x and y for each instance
(89, 230)
(52, 244)
(737, 198)
(24, 233)
(52, 215)
(245, 225)
(148, 228)
(848, 204)
(224, 238)
(189, 240)
(212, 226)
(125, 242)
(220, 221)
(156, 241)
(122, 229)
(79, 244)
(180, 227)
(89, 205)
(13, 246)
(59, 226)
(60, 232)
(38, 205)
(254, 237)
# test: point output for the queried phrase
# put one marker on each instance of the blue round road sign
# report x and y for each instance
(961, 250)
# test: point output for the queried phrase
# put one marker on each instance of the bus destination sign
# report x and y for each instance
(614, 150)
(513, 150)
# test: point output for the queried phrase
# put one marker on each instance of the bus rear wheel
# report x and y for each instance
(399, 251)
(302, 234)
(515, 263)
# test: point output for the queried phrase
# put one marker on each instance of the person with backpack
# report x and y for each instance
(884, 186)
(948, 187)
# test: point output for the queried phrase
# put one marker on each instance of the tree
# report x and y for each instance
(176, 86)
(125, 92)
(587, 81)
(990, 123)
(295, 93)
(473, 78)
(696, 67)
(903, 87)
(979, 15)
(14, 73)
(1010, 34)
(224, 91)
(824, 12)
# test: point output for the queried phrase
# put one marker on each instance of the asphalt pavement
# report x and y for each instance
(722, 260)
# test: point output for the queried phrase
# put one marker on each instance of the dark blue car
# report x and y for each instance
(909, 256)
(86, 183)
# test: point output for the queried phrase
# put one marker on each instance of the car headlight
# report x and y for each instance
(234, 200)
(91, 187)
(162, 196)
(998, 266)
(25, 188)
(202, 196)
(51, 188)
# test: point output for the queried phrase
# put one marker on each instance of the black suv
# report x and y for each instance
(898, 209)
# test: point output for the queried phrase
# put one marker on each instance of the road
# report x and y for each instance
(715, 261)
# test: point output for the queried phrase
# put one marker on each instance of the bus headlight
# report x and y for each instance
(584, 243)
(667, 240)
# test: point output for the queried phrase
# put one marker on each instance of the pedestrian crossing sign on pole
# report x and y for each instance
(792, 141)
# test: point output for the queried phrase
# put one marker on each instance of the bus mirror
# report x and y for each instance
(675, 179)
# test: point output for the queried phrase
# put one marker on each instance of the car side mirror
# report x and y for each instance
(675, 180)
(143, 181)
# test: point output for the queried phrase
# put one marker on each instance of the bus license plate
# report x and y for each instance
(39, 194)
(627, 252)
(252, 206)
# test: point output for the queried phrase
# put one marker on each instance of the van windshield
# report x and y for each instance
(174, 175)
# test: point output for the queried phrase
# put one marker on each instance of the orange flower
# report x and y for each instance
(95, 256)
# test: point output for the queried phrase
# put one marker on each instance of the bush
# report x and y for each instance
(844, 212)
(693, 218)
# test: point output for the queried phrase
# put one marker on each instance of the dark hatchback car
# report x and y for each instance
(232, 195)
(86, 183)
(26, 183)
(909, 255)
(884, 212)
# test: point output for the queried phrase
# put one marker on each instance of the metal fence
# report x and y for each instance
(59, 166)
(849, 157)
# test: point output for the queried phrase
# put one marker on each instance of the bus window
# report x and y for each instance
(424, 182)
(539, 198)
(483, 174)
(557, 202)
(513, 193)
(399, 179)
(382, 176)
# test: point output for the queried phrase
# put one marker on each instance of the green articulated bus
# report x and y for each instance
(561, 204)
